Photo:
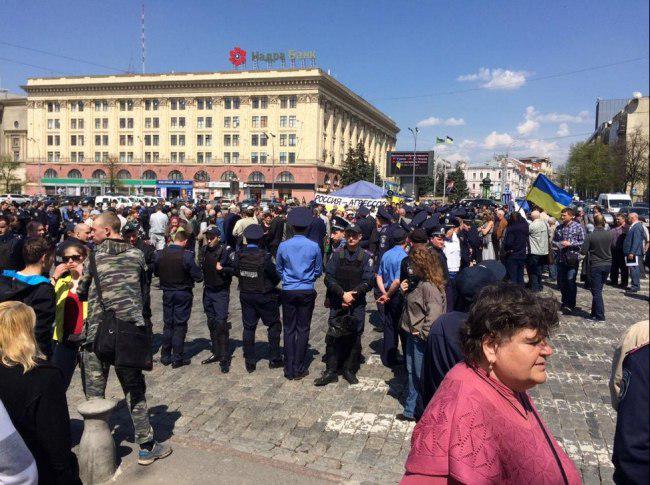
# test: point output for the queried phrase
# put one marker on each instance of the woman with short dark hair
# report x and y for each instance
(481, 425)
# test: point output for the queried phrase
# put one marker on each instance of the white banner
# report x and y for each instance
(351, 202)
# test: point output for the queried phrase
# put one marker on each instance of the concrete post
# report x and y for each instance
(96, 452)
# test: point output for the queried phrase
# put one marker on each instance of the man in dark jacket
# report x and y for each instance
(32, 288)
(130, 233)
(229, 224)
(515, 244)
(317, 231)
(598, 248)
(10, 246)
(618, 257)
(276, 229)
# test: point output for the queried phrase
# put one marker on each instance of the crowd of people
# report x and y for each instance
(448, 281)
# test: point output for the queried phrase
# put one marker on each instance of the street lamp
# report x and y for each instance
(266, 134)
(38, 147)
(415, 132)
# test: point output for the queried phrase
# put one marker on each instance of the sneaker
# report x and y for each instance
(158, 452)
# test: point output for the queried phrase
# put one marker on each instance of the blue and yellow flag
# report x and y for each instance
(549, 196)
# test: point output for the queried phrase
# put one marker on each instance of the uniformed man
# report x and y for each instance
(299, 263)
(130, 233)
(337, 235)
(367, 225)
(177, 270)
(437, 234)
(348, 277)
(217, 273)
(258, 296)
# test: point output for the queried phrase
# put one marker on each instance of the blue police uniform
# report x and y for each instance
(389, 270)
(216, 297)
(346, 271)
(177, 271)
(298, 262)
(631, 456)
(258, 296)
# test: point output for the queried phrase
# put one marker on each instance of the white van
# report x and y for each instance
(613, 202)
(103, 202)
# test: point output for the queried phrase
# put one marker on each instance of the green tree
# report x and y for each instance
(631, 157)
(111, 181)
(9, 179)
(591, 169)
(459, 190)
(356, 167)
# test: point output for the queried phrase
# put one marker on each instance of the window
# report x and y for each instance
(255, 140)
(263, 157)
(53, 124)
(283, 121)
(156, 140)
(147, 122)
(73, 124)
(201, 176)
(99, 174)
(264, 121)
(126, 140)
(76, 139)
(181, 140)
(235, 121)
(283, 157)
(228, 176)
(174, 140)
(156, 122)
(50, 173)
(259, 102)
(235, 157)
(199, 140)
(147, 140)
(105, 123)
(264, 140)
(285, 177)
(208, 140)
(208, 157)
(293, 101)
(173, 122)
(53, 140)
(126, 105)
(77, 106)
(283, 140)
(235, 140)
(149, 175)
(256, 177)
(126, 157)
(292, 121)
(98, 123)
(177, 104)
(151, 104)
(208, 121)
(231, 103)
(126, 123)
(283, 102)
(123, 175)
(204, 103)
(226, 157)
(175, 175)
(77, 157)
(74, 174)
(227, 140)
(254, 157)
(255, 122)
(227, 122)
(199, 122)
(199, 157)
(53, 107)
(292, 157)
(292, 139)
(101, 105)
(181, 122)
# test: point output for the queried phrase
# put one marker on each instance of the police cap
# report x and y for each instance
(300, 217)
(397, 235)
(254, 232)
(384, 213)
(213, 232)
(130, 227)
(419, 218)
(339, 224)
(363, 211)
(353, 229)
(418, 236)
(473, 279)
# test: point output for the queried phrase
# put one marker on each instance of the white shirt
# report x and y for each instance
(158, 222)
(452, 252)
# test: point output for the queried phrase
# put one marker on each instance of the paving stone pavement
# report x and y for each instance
(350, 432)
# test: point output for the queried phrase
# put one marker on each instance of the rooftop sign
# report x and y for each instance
(238, 57)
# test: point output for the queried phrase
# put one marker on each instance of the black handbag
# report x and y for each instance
(120, 342)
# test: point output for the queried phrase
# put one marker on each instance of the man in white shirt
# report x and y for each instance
(538, 257)
(242, 224)
(452, 252)
(158, 222)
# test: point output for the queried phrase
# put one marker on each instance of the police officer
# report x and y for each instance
(130, 233)
(367, 225)
(299, 262)
(258, 296)
(177, 270)
(217, 273)
(348, 277)
(337, 236)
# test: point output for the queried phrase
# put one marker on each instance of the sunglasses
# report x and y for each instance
(76, 258)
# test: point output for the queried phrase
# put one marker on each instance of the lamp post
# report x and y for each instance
(38, 147)
(415, 132)
(267, 134)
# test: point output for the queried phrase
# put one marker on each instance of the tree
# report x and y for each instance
(591, 170)
(112, 168)
(457, 185)
(426, 185)
(356, 167)
(631, 156)
(9, 179)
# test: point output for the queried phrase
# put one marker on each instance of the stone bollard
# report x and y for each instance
(96, 452)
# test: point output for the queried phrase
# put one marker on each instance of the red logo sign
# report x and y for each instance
(238, 56)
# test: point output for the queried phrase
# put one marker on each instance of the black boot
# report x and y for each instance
(328, 377)
(350, 376)
(250, 367)
(224, 365)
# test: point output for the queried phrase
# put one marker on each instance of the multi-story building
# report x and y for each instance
(282, 131)
(507, 174)
(13, 140)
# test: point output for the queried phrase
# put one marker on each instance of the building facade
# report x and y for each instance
(507, 174)
(13, 141)
(274, 132)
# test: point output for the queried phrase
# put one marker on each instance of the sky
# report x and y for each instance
(515, 77)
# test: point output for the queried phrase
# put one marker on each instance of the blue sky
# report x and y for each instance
(404, 57)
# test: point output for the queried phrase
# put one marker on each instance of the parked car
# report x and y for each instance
(643, 212)
(15, 198)
(226, 203)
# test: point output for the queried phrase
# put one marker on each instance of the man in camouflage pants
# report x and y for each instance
(121, 269)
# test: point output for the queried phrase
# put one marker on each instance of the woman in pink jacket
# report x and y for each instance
(481, 427)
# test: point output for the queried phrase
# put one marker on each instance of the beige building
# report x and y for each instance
(13, 139)
(282, 131)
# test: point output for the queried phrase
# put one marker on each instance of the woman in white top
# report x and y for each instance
(486, 233)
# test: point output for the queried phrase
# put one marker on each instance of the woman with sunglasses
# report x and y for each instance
(70, 311)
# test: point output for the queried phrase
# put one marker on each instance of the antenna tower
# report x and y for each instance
(143, 45)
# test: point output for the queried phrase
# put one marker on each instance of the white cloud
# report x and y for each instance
(582, 117)
(527, 127)
(497, 78)
(563, 130)
(536, 147)
(637, 94)
(495, 139)
(433, 121)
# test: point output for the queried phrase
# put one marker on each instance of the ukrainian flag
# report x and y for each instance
(549, 196)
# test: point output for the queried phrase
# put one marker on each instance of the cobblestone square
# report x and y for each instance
(349, 433)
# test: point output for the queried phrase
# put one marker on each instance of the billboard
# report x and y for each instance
(400, 164)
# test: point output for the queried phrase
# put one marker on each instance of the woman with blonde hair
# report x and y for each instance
(34, 395)
(425, 302)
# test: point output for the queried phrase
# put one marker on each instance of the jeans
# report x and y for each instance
(598, 277)
(65, 357)
(635, 275)
(566, 280)
(535, 265)
(515, 269)
(552, 271)
(415, 347)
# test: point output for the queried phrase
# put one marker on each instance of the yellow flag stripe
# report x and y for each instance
(545, 201)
